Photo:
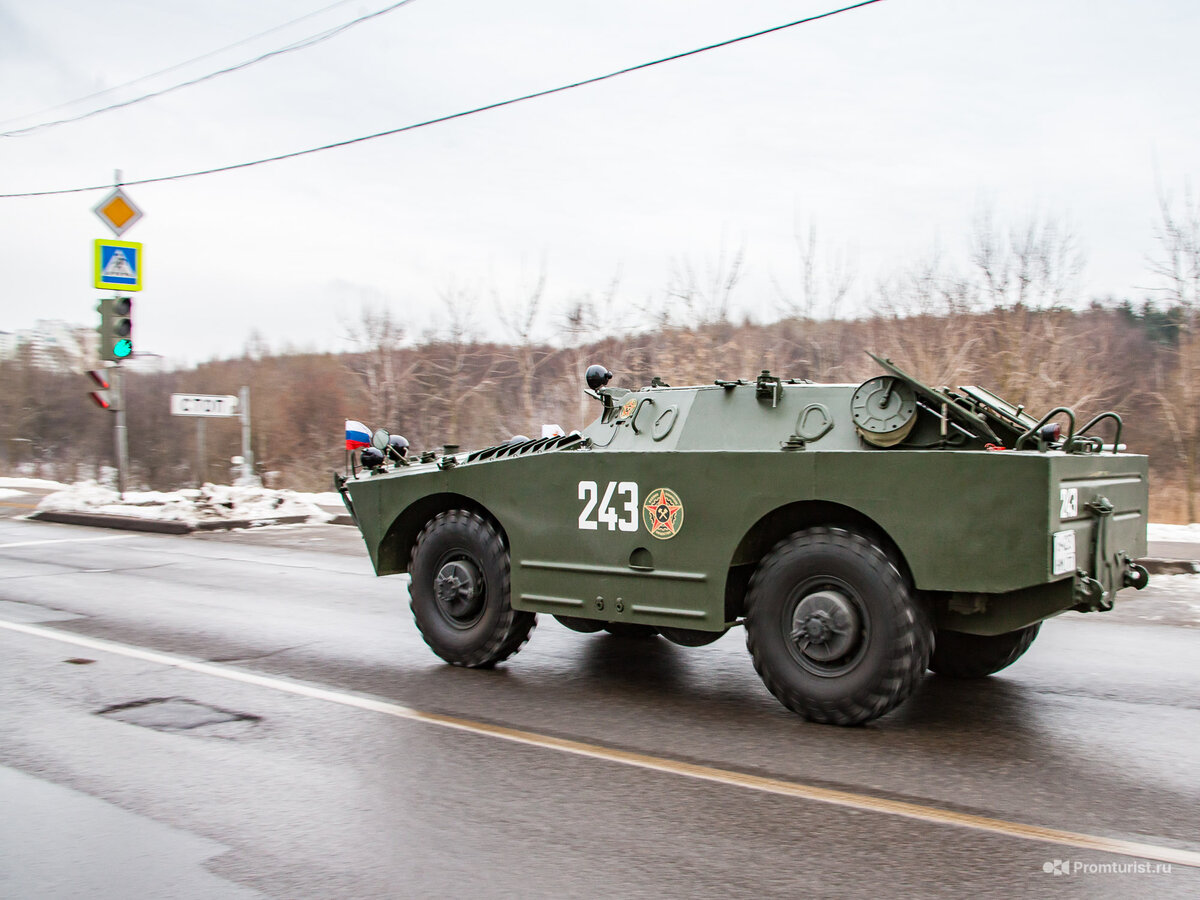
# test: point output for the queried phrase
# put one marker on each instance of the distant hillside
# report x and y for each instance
(1139, 362)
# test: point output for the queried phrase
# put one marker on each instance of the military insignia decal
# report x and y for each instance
(663, 513)
(627, 409)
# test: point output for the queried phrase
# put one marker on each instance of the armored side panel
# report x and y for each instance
(657, 513)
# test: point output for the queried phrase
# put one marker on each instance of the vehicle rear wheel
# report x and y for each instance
(460, 592)
(960, 655)
(834, 629)
(630, 630)
(583, 626)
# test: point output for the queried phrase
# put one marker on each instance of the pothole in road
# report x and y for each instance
(180, 715)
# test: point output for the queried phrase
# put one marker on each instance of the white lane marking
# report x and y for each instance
(797, 790)
(79, 540)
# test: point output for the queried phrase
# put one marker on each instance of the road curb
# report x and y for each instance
(226, 525)
(124, 523)
(157, 526)
(1171, 566)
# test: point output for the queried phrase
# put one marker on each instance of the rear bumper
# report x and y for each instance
(990, 614)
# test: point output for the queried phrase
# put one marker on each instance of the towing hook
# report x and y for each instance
(1136, 576)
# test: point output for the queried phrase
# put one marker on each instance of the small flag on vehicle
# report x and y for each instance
(357, 435)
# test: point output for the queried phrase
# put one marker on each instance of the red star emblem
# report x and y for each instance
(663, 513)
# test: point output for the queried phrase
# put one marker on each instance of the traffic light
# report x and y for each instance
(116, 328)
(102, 398)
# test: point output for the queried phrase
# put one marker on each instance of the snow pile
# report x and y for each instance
(32, 483)
(210, 503)
(1189, 533)
(333, 498)
(1187, 587)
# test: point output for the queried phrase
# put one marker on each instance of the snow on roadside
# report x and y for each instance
(32, 483)
(1188, 586)
(333, 498)
(212, 502)
(1179, 533)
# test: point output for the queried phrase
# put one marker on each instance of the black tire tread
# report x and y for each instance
(631, 630)
(912, 644)
(513, 627)
(960, 655)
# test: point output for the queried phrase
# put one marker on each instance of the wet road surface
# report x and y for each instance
(254, 726)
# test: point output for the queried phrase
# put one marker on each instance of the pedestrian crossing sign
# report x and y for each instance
(118, 265)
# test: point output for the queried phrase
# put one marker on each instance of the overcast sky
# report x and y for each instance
(888, 127)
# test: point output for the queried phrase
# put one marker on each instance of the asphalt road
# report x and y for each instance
(254, 714)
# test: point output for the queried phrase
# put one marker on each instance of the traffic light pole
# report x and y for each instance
(122, 272)
(119, 436)
(248, 476)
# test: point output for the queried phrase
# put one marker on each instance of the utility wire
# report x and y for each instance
(177, 66)
(298, 45)
(452, 116)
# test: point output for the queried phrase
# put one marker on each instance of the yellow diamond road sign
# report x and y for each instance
(118, 212)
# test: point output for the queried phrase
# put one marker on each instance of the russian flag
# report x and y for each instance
(357, 435)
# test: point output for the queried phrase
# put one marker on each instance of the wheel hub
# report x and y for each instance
(825, 625)
(458, 589)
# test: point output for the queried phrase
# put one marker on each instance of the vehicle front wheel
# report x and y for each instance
(960, 655)
(691, 637)
(834, 629)
(460, 592)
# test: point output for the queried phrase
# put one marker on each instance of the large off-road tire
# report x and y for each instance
(691, 637)
(460, 592)
(961, 655)
(580, 624)
(630, 630)
(834, 629)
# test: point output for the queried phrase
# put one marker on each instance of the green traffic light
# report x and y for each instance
(116, 328)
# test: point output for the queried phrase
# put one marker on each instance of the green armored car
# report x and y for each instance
(860, 533)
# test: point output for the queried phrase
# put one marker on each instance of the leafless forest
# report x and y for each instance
(1010, 320)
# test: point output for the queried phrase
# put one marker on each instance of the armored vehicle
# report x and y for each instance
(861, 533)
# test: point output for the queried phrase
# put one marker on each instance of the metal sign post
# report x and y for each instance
(248, 476)
(120, 436)
(201, 454)
(117, 264)
(213, 406)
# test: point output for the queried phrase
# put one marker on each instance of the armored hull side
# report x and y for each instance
(846, 526)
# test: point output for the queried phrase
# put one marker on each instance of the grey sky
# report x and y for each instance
(888, 127)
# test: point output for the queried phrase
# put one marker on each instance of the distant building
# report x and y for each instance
(61, 347)
(52, 345)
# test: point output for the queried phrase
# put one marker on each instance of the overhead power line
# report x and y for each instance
(175, 67)
(458, 115)
(290, 48)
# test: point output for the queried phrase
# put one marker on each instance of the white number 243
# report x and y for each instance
(626, 518)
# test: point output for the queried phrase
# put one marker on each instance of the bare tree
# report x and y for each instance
(1037, 265)
(1027, 276)
(377, 337)
(824, 280)
(520, 315)
(705, 297)
(1177, 267)
(456, 373)
(581, 326)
